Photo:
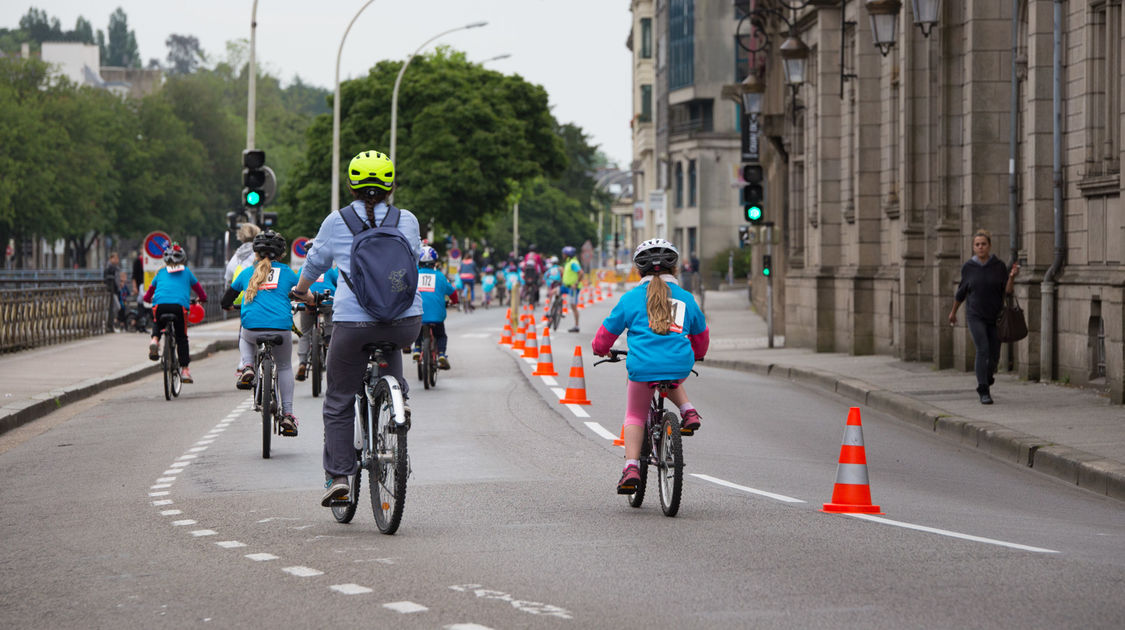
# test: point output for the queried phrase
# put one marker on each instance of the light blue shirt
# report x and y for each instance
(270, 308)
(333, 244)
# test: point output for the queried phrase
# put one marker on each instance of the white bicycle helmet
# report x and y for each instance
(657, 255)
(428, 256)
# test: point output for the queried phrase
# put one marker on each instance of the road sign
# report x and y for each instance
(152, 254)
(298, 250)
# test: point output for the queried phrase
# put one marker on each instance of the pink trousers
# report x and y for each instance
(637, 397)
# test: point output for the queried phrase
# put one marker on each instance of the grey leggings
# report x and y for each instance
(987, 343)
(305, 321)
(282, 356)
(346, 364)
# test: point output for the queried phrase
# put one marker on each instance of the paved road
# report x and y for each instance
(511, 520)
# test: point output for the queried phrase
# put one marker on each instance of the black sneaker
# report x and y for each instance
(154, 351)
(288, 425)
(575, 329)
(245, 378)
(335, 490)
(985, 399)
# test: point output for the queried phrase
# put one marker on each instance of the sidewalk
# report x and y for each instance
(36, 382)
(1069, 433)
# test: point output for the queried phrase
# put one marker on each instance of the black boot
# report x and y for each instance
(985, 399)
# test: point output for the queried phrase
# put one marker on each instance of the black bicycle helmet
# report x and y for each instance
(656, 255)
(269, 244)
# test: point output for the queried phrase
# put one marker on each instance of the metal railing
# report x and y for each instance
(35, 317)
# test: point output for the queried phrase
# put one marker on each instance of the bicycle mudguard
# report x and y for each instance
(396, 398)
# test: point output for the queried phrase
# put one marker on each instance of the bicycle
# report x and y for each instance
(266, 397)
(427, 360)
(381, 425)
(169, 359)
(318, 342)
(466, 301)
(662, 446)
(554, 315)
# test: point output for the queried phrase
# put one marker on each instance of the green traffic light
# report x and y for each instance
(753, 213)
(253, 198)
(766, 271)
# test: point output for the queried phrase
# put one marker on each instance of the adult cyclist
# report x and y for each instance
(371, 177)
(572, 276)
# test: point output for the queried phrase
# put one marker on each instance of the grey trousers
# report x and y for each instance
(305, 321)
(346, 363)
(282, 356)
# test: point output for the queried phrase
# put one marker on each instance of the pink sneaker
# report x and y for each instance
(689, 421)
(630, 477)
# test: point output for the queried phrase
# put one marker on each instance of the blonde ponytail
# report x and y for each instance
(261, 274)
(659, 306)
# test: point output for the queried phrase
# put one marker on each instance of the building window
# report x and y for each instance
(645, 114)
(679, 183)
(691, 183)
(697, 115)
(646, 38)
(1103, 152)
(681, 44)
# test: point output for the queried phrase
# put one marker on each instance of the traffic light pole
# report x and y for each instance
(769, 284)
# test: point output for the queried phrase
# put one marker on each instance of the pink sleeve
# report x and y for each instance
(198, 288)
(603, 341)
(151, 290)
(700, 342)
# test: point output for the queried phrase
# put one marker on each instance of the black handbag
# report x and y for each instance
(1011, 326)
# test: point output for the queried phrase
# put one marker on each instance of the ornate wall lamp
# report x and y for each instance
(926, 15)
(884, 22)
(794, 52)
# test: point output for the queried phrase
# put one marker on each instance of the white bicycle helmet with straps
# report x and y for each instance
(657, 255)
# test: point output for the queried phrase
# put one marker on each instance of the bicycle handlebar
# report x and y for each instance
(615, 356)
(318, 296)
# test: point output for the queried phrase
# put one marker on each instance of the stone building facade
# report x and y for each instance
(889, 164)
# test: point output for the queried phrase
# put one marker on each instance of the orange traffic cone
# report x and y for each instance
(621, 440)
(521, 335)
(531, 344)
(852, 492)
(576, 388)
(546, 364)
(506, 336)
(599, 294)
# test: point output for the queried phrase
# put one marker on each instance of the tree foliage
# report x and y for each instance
(184, 54)
(120, 47)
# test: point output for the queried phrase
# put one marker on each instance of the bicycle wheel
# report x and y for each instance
(556, 312)
(432, 373)
(638, 497)
(389, 465)
(671, 464)
(345, 512)
(265, 371)
(316, 359)
(426, 366)
(171, 365)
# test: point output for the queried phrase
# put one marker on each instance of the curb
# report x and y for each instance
(19, 414)
(1085, 470)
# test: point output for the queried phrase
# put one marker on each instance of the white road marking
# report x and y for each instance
(197, 449)
(205, 442)
(302, 571)
(160, 486)
(162, 502)
(350, 589)
(467, 626)
(550, 381)
(770, 495)
(175, 465)
(261, 557)
(204, 532)
(560, 393)
(534, 608)
(600, 430)
(530, 361)
(160, 493)
(577, 410)
(172, 471)
(184, 458)
(165, 480)
(946, 532)
(186, 521)
(405, 607)
(170, 512)
(230, 544)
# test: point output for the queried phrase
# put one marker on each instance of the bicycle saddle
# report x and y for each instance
(385, 346)
(167, 317)
(273, 340)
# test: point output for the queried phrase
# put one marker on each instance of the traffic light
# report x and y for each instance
(269, 221)
(753, 193)
(766, 264)
(743, 235)
(253, 177)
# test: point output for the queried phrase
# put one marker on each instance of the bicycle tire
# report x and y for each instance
(315, 355)
(432, 375)
(670, 467)
(264, 377)
(345, 513)
(172, 384)
(638, 497)
(426, 360)
(556, 312)
(389, 464)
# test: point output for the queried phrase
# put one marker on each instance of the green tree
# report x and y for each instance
(184, 54)
(548, 217)
(120, 48)
(40, 27)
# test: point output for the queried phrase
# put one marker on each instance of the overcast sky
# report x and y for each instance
(573, 48)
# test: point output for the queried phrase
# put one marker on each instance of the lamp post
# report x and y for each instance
(252, 83)
(402, 70)
(336, 115)
(496, 58)
(884, 22)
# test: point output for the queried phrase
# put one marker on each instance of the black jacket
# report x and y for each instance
(982, 288)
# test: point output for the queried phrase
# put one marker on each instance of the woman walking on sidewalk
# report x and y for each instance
(985, 279)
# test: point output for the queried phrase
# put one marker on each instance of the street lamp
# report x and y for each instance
(402, 70)
(794, 56)
(926, 14)
(336, 116)
(496, 58)
(884, 21)
(753, 89)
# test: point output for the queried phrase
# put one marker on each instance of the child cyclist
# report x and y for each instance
(487, 285)
(667, 335)
(306, 318)
(434, 287)
(266, 311)
(170, 293)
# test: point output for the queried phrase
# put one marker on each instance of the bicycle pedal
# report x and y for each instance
(687, 431)
(340, 502)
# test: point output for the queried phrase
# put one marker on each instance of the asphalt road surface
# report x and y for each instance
(127, 511)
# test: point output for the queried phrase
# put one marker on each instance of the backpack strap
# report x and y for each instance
(392, 213)
(352, 221)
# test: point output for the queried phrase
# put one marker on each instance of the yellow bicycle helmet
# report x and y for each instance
(371, 169)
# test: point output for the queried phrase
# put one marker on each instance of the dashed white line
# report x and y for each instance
(162, 502)
(205, 442)
(577, 410)
(560, 393)
(550, 381)
(302, 571)
(172, 471)
(204, 532)
(728, 484)
(170, 512)
(230, 544)
(951, 534)
(165, 480)
(600, 430)
(186, 521)
(197, 449)
(184, 458)
(405, 607)
(261, 557)
(160, 486)
(159, 493)
(350, 589)
(467, 626)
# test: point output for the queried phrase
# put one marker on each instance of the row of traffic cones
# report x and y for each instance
(526, 341)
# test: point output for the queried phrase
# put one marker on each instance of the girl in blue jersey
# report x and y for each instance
(434, 289)
(306, 318)
(487, 285)
(170, 292)
(667, 335)
(266, 311)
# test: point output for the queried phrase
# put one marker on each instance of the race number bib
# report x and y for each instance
(271, 282)
(678, 311)
(427, 282)
(321, 278)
